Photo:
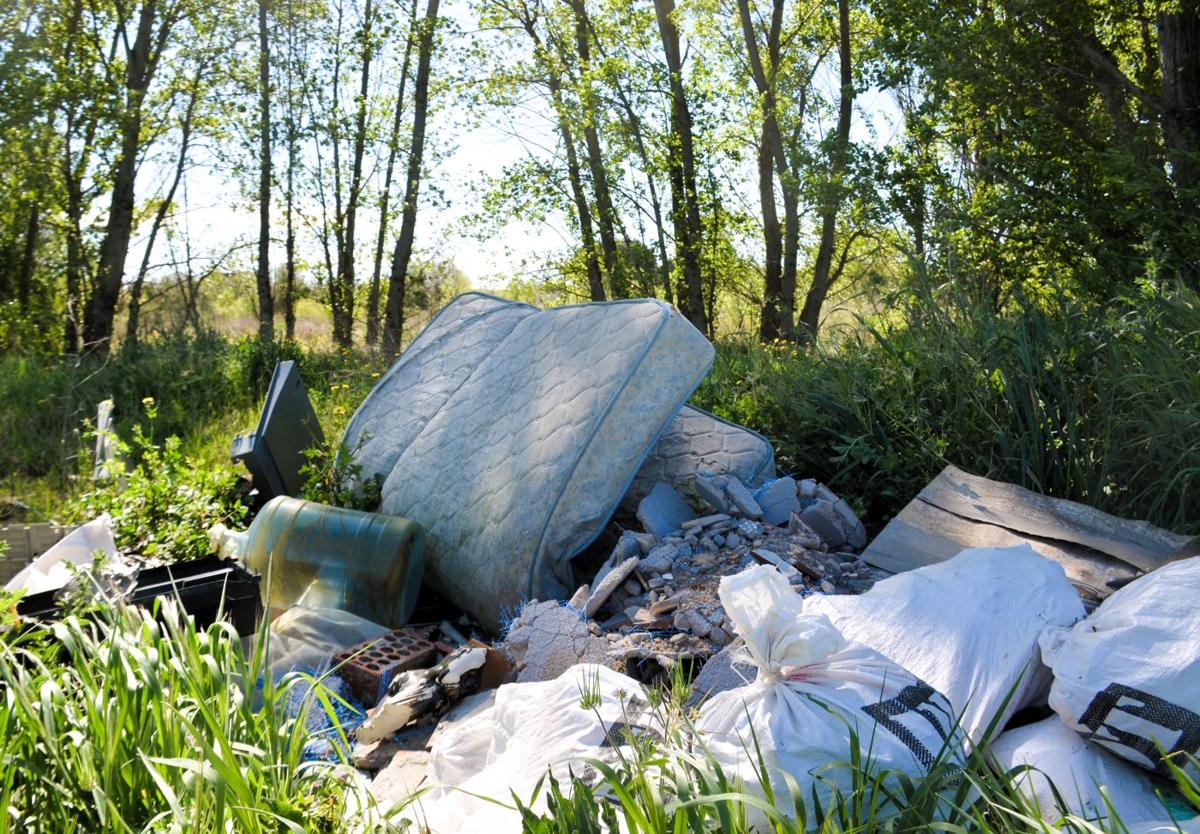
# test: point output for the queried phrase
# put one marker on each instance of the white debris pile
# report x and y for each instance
(663, 580)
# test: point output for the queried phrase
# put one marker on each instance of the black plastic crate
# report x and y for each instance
(201, 585)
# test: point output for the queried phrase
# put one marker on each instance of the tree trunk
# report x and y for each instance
(605, 214)
(810, 316)
(583, 212)
(266, 302)
(289, 287)
(73, 173)
(160, 216)
(639, 142)
(1179, 55)
(74, 268)
(385, 198)
(768, 330)
(343, 334)
(393, 328)
(685, 201)
(140, 66)
(29, 251)
(791, 255)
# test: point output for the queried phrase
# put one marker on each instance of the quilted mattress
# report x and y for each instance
(695, 442)
(464, 332)
(511, 434)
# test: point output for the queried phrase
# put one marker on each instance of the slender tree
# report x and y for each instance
(343, 320)
(393, 329)
(142, 56)
(266, 302)
(385, 208)
(682, 165)
(833, 193)
(605, 213)
(165, 206)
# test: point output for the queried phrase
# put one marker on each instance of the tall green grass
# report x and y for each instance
(204, 391)
(672, 784)
(120, 721)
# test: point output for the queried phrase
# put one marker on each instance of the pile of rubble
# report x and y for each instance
(717, 567)
(656, 595)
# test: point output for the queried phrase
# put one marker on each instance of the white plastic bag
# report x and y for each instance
(813, 688)
(968, 627)
(460, 744)
(303, 639)
(1128, 677)
(534, 728)
(1087, 778)
(51, 570)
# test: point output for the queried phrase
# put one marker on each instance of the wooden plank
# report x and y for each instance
(1137, 543)
(923, 534)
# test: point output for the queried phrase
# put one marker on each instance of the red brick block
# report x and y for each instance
(368, 667)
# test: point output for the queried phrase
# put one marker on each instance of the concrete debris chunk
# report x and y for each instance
(750, 529)
(689, 619)
(802, 533)
(742, 499)
(547, 638)
(778, 500)
(724, 671)
(856, 533)
(628, 545)
(772, 558)
(579, 599)
(379, 754)
(824, 519)
(663, 511)
(711, 490)
(401, 778)
(645, 541)
(705, 521)
(666, 605)
(607, 585)
(658, 560)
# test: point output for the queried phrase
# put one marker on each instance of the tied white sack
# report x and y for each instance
(1128, 677)
(52, 570)
(1087, 778)
(533, 728)
(814, 688)
(968, 627)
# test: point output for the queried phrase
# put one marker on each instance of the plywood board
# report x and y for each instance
(923, 534)
(1015, 508)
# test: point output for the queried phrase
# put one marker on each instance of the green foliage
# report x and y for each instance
(1095, 404)
(165, 503)
(132, 722)
(205, 389)
(333, 476)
